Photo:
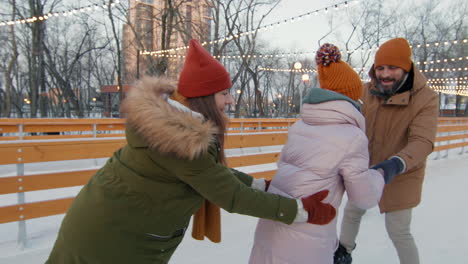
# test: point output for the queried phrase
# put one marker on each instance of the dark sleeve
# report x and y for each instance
(243, 177)
(220, 186)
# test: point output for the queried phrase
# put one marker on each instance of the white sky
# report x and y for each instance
(303, 34)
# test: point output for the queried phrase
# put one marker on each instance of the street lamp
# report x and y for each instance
(297, 66)
(305, 79)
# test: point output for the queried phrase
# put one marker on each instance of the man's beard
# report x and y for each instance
(395, 87)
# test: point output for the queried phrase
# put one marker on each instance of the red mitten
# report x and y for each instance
(267, 184)
(319, 213)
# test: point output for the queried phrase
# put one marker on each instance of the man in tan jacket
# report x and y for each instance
(401, 122)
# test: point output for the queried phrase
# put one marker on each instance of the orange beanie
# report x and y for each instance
(395, 52)
(335, 74)
(202, 75)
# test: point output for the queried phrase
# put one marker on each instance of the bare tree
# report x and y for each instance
(6, 107)
(435, 22)
(118, 64)
(37, 82)
(57, 68)
(158, 28)
(239, 21)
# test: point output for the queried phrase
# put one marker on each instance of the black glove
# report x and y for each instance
(391, 168)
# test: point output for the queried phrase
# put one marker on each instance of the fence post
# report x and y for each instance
(242, 132)
(95, 136)
(94, 130)
(22, 234)
(460, 123)
(464, 140)
(437, 153)
(435, 145)
(448, 143)
(259, 130)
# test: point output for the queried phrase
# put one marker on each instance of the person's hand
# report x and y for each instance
(390, 167)
(267, 184)
(318, 213)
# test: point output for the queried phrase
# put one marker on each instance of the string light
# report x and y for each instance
(287, 70)
(306, 70)
(284, 55)
(450, 87)
(449, 80)
(298, 54)
(66, 13)
(442, 61)
(364, 69)
(446, 69)
(452, 90)
(288, 55)
(437, 44)
(264, 28)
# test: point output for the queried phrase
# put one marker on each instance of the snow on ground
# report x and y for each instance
(439, 226)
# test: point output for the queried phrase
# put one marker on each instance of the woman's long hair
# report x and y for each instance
(206, 105)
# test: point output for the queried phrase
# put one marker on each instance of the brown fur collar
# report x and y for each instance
(163, 126)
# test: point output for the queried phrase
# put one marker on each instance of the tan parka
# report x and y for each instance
(403, 125)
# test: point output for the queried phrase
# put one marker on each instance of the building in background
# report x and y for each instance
(145, 29)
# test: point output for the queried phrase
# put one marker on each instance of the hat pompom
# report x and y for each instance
(327, 54)
(337, 75)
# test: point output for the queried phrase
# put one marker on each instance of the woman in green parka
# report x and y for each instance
(137, 207)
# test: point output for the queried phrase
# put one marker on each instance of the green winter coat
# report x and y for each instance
(137, 207)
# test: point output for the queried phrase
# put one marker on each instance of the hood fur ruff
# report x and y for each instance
(166, 127)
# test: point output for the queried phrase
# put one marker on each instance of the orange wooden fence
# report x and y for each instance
(57, 128)
(25, 141)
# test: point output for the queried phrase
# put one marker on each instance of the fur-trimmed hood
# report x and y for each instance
(164, 124)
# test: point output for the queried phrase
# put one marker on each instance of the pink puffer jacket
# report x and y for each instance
(327, 149)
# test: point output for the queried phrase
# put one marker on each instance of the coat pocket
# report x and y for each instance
(158, 237)
(160, 247)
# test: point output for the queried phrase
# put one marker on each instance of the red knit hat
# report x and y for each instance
(395, 52)
(335, 74)
(202, 75)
